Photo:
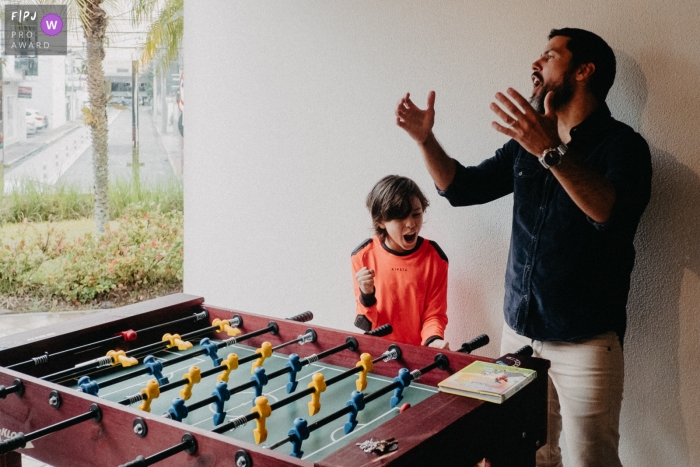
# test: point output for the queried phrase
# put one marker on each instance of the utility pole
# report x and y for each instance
(135, 164)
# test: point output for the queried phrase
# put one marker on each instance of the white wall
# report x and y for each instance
(290, 122)
(49, 89)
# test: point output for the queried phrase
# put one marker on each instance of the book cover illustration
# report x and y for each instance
(487, 381)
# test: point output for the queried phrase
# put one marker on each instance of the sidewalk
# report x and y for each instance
(11, 323)
(20, 152)
(173, 143)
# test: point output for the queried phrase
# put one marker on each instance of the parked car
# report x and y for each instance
(42, 120)
(31, 124)
(122, 100)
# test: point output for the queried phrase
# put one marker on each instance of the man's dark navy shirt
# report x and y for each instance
(568, 277)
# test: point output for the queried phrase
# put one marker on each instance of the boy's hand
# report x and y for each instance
(365, 279)
(440, 344)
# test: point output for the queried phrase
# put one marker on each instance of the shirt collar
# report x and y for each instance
(599, 117)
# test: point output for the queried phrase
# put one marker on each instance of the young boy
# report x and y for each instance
(401, 278)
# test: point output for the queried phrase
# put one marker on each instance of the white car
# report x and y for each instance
(31, 124)
(41, 120)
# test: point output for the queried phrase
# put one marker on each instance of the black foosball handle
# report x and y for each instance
(382, 330)
(16, 388)
(10, 444)
(472, 345)
(524, 351)
(302, 317)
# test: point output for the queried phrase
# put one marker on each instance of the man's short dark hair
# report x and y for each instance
(392, 198)
(587, 47)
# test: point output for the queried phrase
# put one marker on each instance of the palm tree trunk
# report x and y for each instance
(94, 28)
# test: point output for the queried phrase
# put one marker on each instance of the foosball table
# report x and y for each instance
(169, 381)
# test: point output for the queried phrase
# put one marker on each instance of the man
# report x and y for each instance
(580, 182)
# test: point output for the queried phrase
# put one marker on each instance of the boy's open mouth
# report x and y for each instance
(409, 238)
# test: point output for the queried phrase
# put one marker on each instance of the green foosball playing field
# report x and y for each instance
(240, 403)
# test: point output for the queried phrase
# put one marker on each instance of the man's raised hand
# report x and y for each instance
(534, 131)
(418, 123)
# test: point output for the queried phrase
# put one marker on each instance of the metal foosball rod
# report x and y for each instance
(232, 362)
(20, 440)
(188, 444)
(302, 429)
(130, 358)
(264, 410)
(154, 367)
(222, 393)
(394, 352)
(122, 336)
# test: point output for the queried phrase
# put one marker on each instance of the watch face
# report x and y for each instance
(552, 158)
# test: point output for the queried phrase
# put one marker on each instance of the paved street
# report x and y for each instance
(152, 153)
(19, 152)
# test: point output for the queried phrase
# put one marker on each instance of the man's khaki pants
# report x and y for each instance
(585, 397)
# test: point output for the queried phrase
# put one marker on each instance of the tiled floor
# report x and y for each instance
(11, 323)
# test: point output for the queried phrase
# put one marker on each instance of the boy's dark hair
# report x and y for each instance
(587, 47)
(391, 198)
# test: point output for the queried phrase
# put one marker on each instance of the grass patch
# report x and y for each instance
(35, 202)
(31, 230)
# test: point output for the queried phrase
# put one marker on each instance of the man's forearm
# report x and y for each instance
(591, 192)
(440, 166)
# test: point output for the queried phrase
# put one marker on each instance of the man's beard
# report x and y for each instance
(563, 92)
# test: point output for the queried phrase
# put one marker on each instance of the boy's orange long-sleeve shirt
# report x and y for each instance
(410, 290)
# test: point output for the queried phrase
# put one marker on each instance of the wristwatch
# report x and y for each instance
(553, 156)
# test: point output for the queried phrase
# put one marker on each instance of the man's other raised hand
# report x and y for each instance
(519, 120)
(418, 123)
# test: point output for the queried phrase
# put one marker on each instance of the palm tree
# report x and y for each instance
(164, 38)
(93, 20)
(165, 32)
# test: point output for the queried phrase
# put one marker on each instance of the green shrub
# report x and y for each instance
(144, 249)
(21, 257)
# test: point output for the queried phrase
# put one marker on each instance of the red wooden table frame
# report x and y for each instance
(444, 429)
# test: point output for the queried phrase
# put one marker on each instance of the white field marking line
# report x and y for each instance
(384, 379)
(252, 392)
(357, 429)
(211, 409)
(274, 354)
